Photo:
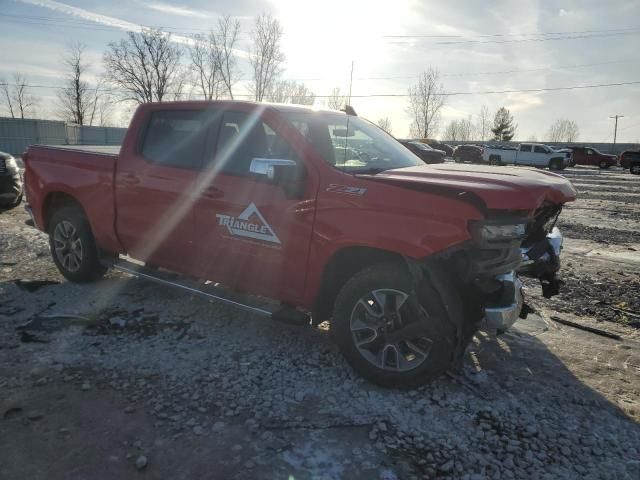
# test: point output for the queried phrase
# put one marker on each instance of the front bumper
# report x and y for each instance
(502, 317)
(539, 260)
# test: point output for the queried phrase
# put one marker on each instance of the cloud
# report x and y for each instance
(97, 18)
(180, 10)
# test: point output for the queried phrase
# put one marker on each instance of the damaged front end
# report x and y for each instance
(505, 248)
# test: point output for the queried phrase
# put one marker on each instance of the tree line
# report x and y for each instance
(149, 66)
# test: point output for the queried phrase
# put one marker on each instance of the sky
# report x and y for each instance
(478, 47)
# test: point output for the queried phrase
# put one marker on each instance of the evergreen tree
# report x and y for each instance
(503, 127)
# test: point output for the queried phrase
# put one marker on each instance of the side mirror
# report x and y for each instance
(285, 173)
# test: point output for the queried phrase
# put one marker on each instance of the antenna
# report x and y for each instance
(350, 82)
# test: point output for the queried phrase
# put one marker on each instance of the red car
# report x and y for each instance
(591, 156)
(319, 210)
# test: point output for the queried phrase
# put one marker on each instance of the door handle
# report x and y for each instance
(212, 193)
(129, 178)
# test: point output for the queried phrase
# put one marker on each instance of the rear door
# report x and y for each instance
(525, 154)
(156, 188)
(251, 235)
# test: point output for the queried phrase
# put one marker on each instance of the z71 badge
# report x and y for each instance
(250, 224)
(346, 190)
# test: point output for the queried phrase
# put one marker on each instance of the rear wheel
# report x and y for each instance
(635, 168)
(495, 160)
(603, 165)
(73, 246)
(392, 331)
(457, 159)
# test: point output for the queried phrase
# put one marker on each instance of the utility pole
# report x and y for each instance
(615, 129)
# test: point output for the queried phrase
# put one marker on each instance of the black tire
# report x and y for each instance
(555, 164)
(634, 168)
(88, 267)
(457, 159)
(603, 165)
(437, 327)
(495, 160)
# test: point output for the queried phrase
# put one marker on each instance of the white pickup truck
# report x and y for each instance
(532, 154)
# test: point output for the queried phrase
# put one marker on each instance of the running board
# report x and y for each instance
(284, 315)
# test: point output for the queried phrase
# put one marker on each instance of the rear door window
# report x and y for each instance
(525, 148)
(176, 138)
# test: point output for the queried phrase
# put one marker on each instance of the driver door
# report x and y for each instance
(251, 235)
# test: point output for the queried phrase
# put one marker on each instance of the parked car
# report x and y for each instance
(424, 151)
(10, 182)
(591, 156)
(447, 149)
(630, 159)
(405, 259)
(532, 154)
(468, 153)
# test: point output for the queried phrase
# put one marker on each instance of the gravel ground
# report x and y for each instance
(139, 380)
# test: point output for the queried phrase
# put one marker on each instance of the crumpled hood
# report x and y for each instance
(500, 188)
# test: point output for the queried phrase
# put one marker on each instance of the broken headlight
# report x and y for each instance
(491, 231)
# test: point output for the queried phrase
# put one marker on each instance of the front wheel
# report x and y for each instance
(635, 168)
(555, 164)
(603, 165)
(393, 331)
(73, 247)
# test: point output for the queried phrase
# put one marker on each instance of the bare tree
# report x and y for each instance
(484, 122)
(77, 101)
(563, 130)
(425, 103)
(385, 124)
(266, 55)
(289, 91)
(336, 100)
(17, 96)
(145, 66)
(452, 132)
(205, 62)
(467, 129)
(225, 41)
(7, 96)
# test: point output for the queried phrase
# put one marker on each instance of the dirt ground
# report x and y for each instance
(128, 379)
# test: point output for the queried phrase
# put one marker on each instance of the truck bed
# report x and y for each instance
(79, 173)
(112, 150)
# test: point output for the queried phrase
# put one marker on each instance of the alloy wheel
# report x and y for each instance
(68, 246)
(386, 330)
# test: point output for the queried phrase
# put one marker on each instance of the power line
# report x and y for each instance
(380, 95)
(471, 74)
(515, 34)
(543, 36)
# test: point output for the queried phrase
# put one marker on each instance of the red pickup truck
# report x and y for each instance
(319, 210)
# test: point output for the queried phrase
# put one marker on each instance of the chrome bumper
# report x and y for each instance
(503, 317)
(540, 260)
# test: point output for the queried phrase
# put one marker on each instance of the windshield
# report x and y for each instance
(351, 143)
(420, 145)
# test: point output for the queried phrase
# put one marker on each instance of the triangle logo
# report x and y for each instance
(249, 224)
